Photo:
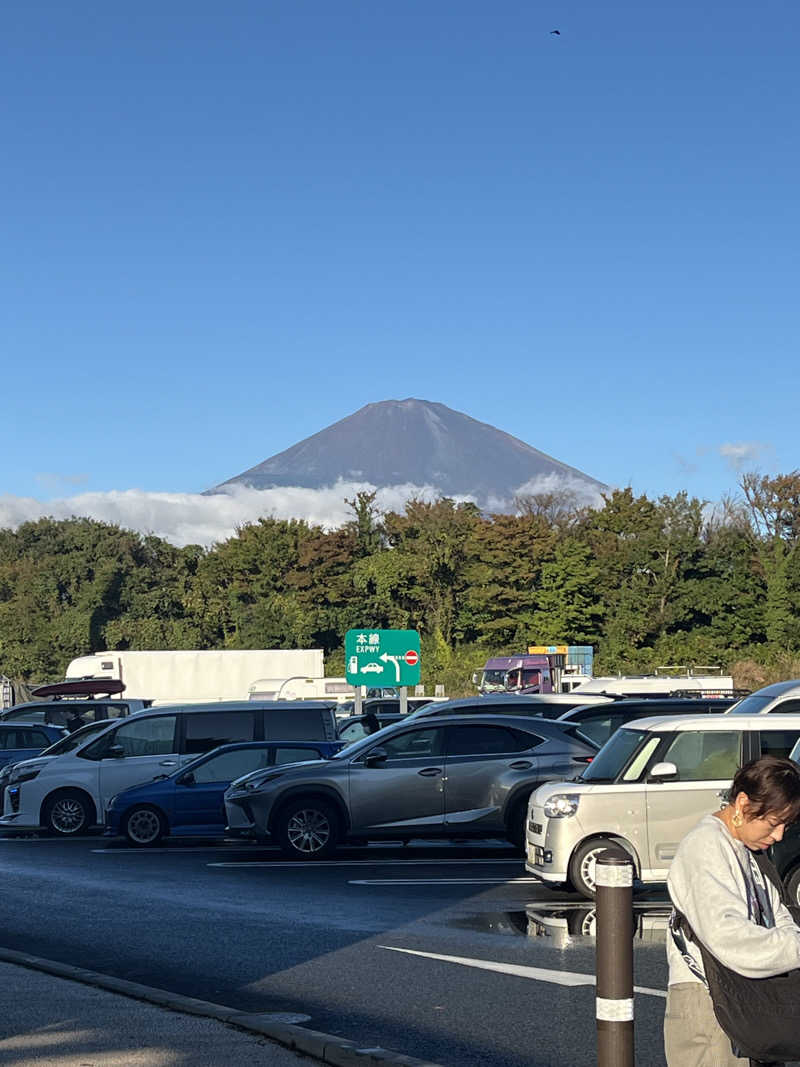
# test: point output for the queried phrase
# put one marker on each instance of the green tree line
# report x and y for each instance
(646, 582)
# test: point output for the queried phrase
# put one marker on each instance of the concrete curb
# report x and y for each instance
(325, 1047)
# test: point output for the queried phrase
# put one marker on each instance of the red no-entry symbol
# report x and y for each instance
(412, 658)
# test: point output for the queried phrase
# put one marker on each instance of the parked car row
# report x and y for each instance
(636, 773)
(66, 791)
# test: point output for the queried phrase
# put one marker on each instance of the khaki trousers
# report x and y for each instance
(692, 1035)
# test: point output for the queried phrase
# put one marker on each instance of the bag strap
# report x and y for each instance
(770, 871)
(681, 931)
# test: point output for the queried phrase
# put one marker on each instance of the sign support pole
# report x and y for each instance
(403, 699)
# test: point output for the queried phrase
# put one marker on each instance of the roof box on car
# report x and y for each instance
(80, 687)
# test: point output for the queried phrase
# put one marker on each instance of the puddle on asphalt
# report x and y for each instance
(564, 924)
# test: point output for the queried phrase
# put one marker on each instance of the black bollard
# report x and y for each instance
(614, 897)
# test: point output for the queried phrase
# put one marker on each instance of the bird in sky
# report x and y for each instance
(556, 33)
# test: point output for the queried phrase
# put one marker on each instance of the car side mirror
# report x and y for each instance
(664, 770)
(115, 751)
(376, 757)
(474, 677)
(187, 779)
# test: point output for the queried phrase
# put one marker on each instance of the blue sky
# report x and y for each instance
(227, 226)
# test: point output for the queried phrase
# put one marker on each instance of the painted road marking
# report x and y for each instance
(171, 851)
(313, 864)
(444, 881)
(538, 974)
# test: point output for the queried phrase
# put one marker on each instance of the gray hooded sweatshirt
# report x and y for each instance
(711, 883)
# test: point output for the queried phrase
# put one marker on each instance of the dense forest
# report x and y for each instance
(646, 582)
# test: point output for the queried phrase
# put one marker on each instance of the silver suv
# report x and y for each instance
(463, 776)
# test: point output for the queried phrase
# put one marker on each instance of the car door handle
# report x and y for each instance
(168, 763)
(430, 772)
(521, 765)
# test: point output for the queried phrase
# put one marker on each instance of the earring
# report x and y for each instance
(737, 819)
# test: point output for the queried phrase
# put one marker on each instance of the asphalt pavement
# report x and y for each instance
(450, 955)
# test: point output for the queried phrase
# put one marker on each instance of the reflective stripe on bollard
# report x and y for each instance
(614, 899)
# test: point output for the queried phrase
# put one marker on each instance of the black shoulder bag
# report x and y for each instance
(761, 1016)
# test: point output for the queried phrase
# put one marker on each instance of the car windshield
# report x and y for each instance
(614, 756)
(494, 680)
(67, 744)
(752, 705)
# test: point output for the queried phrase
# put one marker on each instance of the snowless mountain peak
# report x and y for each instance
(419, 443)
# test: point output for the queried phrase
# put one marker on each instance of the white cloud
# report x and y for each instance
(190, 518)
(741, 453)
(584, 492)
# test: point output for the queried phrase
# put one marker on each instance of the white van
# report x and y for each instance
(780, 698)
(650, 783)
(67, 794)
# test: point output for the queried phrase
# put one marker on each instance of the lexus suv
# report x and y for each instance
(461, 776)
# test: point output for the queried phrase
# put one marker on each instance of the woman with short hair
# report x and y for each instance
(735, 911)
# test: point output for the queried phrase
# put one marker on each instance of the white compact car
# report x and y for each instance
(650, 783)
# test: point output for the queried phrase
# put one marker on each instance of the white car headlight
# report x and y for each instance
(561, 805)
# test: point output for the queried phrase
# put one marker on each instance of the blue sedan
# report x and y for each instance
(188, 802)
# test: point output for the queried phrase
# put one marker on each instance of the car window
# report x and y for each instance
(786, 707)
(704, 755)
(23, 737)
(484, 740)
(115, 709)
(414, 744)
(599, 728)
(73, 740)
(207, 730)
(148, 737)
(296, 755)
(354, 731)
(615, 755)
(778, 742)
(30, 716)
(72, 718)
(229, 765)
(296, 724)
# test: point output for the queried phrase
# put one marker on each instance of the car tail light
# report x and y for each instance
(582, 759)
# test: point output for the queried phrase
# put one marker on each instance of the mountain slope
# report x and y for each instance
(415, 442)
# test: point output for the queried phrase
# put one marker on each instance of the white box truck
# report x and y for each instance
(187, 677)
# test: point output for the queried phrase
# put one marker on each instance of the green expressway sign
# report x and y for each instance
(381, 658)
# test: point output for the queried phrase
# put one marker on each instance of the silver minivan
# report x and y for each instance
(646, 788)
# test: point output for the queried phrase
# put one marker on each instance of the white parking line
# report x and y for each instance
(538, 974)
(444, 881)
(31, 839)
(312, 864)
(172, 851)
